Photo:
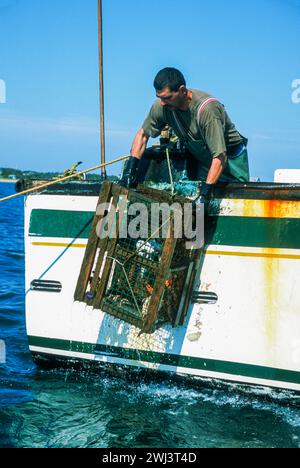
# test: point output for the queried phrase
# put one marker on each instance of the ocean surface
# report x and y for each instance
(68, 408)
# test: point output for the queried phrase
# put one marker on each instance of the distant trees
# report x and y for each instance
(7, 172)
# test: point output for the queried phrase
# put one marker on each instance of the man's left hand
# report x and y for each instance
(205, 192)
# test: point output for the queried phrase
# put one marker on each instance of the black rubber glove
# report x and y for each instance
(205, 191)
(129, 177)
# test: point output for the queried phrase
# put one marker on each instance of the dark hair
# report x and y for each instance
(169, 78)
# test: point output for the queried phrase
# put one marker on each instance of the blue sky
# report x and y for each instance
(246, 53)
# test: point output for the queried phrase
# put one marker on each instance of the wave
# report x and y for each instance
(72, 409)
(12, 254)
(283, 403)
(5, 295)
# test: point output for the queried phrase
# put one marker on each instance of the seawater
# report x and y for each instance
(67, 408)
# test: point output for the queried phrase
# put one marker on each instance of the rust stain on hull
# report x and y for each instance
(270, 266)
(273, 209)
(268, 208)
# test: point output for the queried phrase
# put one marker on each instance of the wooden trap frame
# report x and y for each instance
(144, 281)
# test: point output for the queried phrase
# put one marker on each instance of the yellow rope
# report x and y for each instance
(63, 179)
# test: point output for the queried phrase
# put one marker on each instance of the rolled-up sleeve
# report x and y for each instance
(155, 121)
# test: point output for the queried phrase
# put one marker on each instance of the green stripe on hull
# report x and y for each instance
(61, 223)
(280, 233)
(221, 230)
(211, 365)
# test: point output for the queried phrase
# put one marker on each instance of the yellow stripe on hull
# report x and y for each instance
(58, 244)
(271, 254)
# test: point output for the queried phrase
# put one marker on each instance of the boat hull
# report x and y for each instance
(250, 262)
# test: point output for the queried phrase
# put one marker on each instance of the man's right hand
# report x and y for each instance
(129, 177)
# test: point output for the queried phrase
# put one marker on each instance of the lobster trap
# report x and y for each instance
(135, 268)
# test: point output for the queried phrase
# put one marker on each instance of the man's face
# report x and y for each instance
(173, 99)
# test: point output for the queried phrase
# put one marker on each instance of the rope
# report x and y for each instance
(128, 282)
(122, 265)
(63, 179)
(146, 241)
(130, 257)
(170, 171)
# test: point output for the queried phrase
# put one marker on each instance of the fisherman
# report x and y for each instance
(215, 150)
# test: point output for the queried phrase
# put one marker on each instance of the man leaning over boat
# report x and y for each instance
(214, 149)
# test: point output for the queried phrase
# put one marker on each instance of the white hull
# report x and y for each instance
(250, 336)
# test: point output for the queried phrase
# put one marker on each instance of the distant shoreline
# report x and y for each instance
(9, 181)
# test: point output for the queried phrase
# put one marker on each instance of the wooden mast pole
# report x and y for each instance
(101, 84)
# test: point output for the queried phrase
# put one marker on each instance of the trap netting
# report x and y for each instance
(135, 268)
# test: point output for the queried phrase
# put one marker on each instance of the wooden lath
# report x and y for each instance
(94, 243)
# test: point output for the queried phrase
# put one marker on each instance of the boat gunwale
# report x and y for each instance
(234, 190)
